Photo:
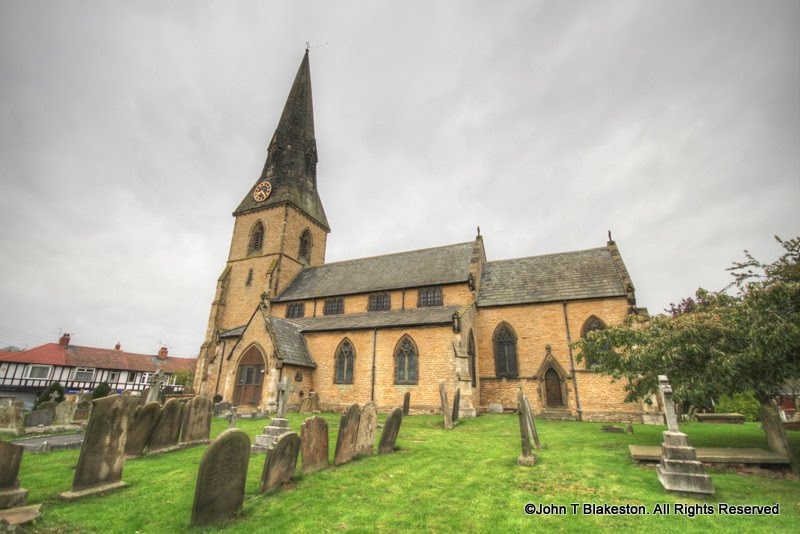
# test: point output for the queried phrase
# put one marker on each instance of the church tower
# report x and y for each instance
(280, 225)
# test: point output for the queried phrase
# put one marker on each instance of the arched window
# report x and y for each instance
(471, 353)
(305, 246)
(592, 323)
(406, 362)
(344, 361)
(505, 352)
(256, 238)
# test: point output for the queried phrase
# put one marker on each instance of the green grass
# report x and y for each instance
(461, 480)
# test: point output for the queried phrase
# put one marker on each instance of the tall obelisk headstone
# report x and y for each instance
(448, 421)
(526, 431)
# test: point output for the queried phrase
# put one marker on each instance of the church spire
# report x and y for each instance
(291, 166)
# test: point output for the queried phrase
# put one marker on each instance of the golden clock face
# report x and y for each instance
(262, 191)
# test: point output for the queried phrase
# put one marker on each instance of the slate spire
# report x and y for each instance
(291, 166)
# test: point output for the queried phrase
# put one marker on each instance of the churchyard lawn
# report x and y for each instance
(465, 479)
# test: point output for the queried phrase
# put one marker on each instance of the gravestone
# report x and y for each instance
(83, 410)
(84, 396)
(103, 452)
(611, 429)
(629, 428)
(64, 413)
(531, 425)
(157, 381)
(495, 408)
(348, 433)
(197, 420)
(145, 419)
(456, 405)
(219, 492)
(222, 407)
(679, 470)
(232, 417)
(278, 425)
(314, 440)
(406, 402)
(525, 430)
(367, 425)
(391, 428)
(281, 462)
(10, 415)
(448, 422)
(39, 417)
(48, 406)
(310, 404)
(11, 494)
(168, 430)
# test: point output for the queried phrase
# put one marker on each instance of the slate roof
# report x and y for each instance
(416, 268)
(434, 315)
(233, 332)
(574, 275)
(77, 356)
(291, 346)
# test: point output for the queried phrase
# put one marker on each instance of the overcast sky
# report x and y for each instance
(129, 132)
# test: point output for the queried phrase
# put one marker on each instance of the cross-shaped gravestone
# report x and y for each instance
(232, 418)
(156, 383)
(669, 405)
(283, 393)
(54, 395)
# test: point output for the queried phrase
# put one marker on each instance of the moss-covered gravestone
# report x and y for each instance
(367, 425)
(197, 421)
(406, 402)
(314, 444)
(168, 430)
(281, 462)
(10, 492)
(348, 433)
(219, 492)
(145, 419)
(103, 452)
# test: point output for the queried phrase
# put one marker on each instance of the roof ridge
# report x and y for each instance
(387, 255)
(549, 254)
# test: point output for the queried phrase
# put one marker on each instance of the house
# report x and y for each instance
(26, 374)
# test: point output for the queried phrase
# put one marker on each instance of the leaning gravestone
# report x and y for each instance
(157, 381)
(219, 492)
(314, 441)
(145, 419)
(103, 452)
(391, 428)
(64, 412)
(525, 430)
(39, 417)
(367, 425)
(448, 421)
(456, 405)
(168, 430)
(197, 421)
(406, 402)
(348, 433)
(531, 425)
(11, 494)
(679, 469)
(281, 462)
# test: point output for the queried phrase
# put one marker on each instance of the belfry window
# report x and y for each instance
(379, 302)
(343, 363)
(249, 278)
(406, 362)
(305, 247)
(256, 238)
(334, 306)
(430, 296)
(505, 352)
(295, 309)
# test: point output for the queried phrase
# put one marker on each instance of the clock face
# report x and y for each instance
(262, 191)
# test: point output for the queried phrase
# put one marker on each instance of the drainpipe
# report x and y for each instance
(374, 348)
(572, 365)
(221, 361)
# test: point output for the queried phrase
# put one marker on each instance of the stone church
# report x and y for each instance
(375, 328)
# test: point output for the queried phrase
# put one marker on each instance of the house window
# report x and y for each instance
(430, 296)
(305, 246)
(144, 378)
(38, 371)
(131, 376)
(82, 374)
(505, 352)
(379, 302)
(344, 361)
(405, 359)
(334, 306)
(256, 238)
(295, 309)
(113, 377)
(592, 324)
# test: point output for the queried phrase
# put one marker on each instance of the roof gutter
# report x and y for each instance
(572, 365)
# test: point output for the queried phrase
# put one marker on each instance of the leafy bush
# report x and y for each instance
(102, 390)
(45, 395)
(743, 403)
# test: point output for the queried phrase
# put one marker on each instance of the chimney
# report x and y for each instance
(162, 354)
(118, 346)
(64, 341)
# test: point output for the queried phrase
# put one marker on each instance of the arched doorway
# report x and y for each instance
(552, 389)
(249, 377)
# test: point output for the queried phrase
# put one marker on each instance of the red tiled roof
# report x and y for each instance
(6, 353)
(76, 356)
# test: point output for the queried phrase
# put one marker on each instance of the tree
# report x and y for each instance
(102, 390)
(45, 395)
(745, 338)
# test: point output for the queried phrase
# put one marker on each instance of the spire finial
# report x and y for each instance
(609, 236)
(479, 231)
(308, 46)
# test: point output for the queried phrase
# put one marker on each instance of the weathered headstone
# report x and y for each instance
(145, 419)
(222, 407)
(456, 405)
(494, 408)
(314, 440)
(531, 425)
(281, 462)
(47, 406)
(232, 417)
(84, 396)
(679, 470)
(391, 428)
(103, 452)
(406, 402)
(448, 421)
(157, 381)
(526, 431)
(65, 412)
(219, 492)
(197, 420)
(10, 459)
(39, 417)
(348, 433)
(611, 429)
(629, 428)
(168, 430)
(278, 425)
(310, 403)
(83, 410)
(10, 415)
(367, 425)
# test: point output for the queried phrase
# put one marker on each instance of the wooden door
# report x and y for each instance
(249, 378)
(552, 387)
